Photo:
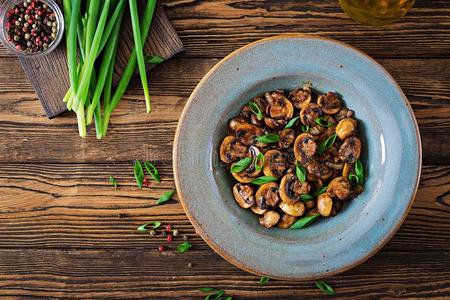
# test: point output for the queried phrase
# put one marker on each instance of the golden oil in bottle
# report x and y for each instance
(376, 12)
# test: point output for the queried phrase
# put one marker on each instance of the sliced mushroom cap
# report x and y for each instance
(267, 195)
(324, 204)
(300, 97)
(247, 133)
(312, 212)
(274, 163)
(350, 150)
(304, 147)
(310, 204)
(329, 103)
(279, 106)
(309, 113)
(258, 210)
(339, 187)
(296, 209)
(269, 219)
(291, 189)
(287, 137)
(275, 124)
(244, 195)
(346, 170)
(286, 221)
(343, 113)
(346, 128)
(235, 121)
(245, 111)
(254, 120)
(261, 102)
(232, 149)
(251, 172)
(318, 169)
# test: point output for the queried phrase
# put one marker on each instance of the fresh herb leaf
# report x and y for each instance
(138, 173)
(165, 197)
(268, 138)
(256, 110)
(292, 122)
(151, 169)
(215, 296)
(264, 280)
(143, 228)
(324, 123)
(207, 289)
(327, 144)
(259, 161)
(154, 59)
(353, 179)
(300, 171)
(306, 197)
(325, 287)
(263, 179)
(359, 171)
(305, 128)
(113, 181)
(241, 165)
(181, 248)
(322, 190)
(303, 222)
(226, 298)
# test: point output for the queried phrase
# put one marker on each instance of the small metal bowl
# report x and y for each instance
(7, 5)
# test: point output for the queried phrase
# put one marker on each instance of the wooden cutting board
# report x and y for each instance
(49, 74)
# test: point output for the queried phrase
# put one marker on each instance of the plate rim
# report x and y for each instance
(215, 246)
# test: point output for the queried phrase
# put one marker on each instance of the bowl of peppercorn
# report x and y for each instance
(31, 27)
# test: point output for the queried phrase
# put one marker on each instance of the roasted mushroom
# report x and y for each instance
(291, 189)
(280, 110)
(324, 204)
(287, 137)
(296, 209)
(258, 210)
(267, 195)
(329, 103)
(339, 187)
(232, 149)
(286, 221)
(309, 113)
(247, 133)
(350, 150)
(310, 204)
(343, 113)
(300, 97)
(274, 163)
(252, 171)
(269, 219)
(304, 147)
(318, 170)
(244, 195)
(346, 128)
(236, 121)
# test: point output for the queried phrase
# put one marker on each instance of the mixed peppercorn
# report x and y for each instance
(31, 26)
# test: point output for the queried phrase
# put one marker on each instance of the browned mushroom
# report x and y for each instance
(324, 204)
(346, 128)
(287, 137)
(329, 103)
(244, 195)
(269, 219)
(296, 209)
(318, 169)
(232, 149)
(291, 189)
(300, 97)
(350, 150)
(279, 110)
(236, 121)
(267, 195)
(339, 187)
(312, 212)
(286, 221)
(251, 172)
(258, 210)
(304, 147)
(343, 113)
(274, 163)
(309, 113)
(247, 133)
(346, 170)
(275, 124)
(310, 204)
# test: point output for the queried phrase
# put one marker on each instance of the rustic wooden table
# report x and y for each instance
(66, 233)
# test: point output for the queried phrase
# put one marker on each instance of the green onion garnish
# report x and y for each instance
(256, 110)
(241, 165)
(268, 138)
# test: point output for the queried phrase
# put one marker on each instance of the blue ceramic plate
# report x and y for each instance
(392, 158)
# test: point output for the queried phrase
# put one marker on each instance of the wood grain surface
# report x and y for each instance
(49, 74)
(65, 233)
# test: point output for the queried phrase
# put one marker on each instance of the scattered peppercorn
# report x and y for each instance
(175, 232)
(161, 248)
(189, 265)
(146, 182)
(185, 237)
(168, 228)
(37, 15)
(152, 232)
(169, 238)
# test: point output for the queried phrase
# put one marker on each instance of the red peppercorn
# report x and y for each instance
(168, 228)
(18, 47)
(169, 238)
(161, 248)
(146, 182)
(30, 20)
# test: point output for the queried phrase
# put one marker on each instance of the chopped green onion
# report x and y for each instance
(165, 197)
(256, 110)
(300, 171)
(325, 287)
(305, 128)
(353, 179)
(268, 138)
(307, 197)
(143, 228)
(259, 161)
(264, 280)
(320, 191)
(359, 171)
(184, 247)
(292, 122)
(113, 181)
(138, 173)
(324, 123)
(327, 144)
(264, 179)
(152, 170)
(241, 165)
(154, 59)
(303, 222)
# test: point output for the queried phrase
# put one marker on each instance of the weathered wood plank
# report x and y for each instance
(75, 206)
(215, 28)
